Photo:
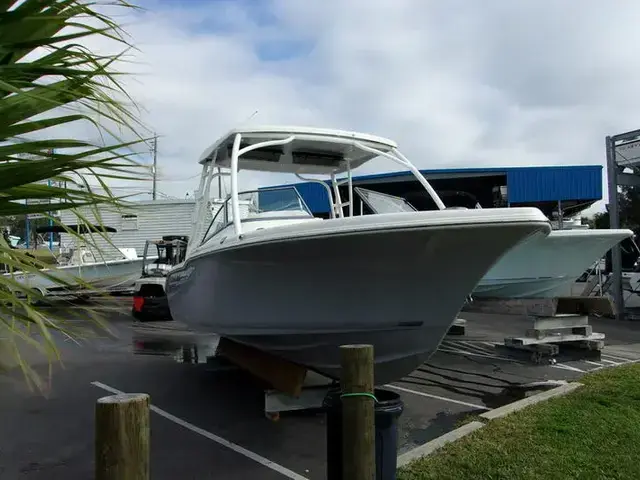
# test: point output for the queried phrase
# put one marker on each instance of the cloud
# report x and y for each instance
(457, 84)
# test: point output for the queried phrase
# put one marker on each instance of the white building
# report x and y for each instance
(145, 220)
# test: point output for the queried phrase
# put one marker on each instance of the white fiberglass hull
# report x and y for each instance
(545, 266)
(299, 291)
(105, 275)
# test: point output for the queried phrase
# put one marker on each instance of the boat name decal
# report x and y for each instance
(180, 276)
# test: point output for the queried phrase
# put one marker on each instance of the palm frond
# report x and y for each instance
(50, 81)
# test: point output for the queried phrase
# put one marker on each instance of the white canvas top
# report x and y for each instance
(313, 151)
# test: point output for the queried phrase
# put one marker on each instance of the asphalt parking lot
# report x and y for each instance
(210, 422)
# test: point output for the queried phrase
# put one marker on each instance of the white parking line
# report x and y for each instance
(437, 397)
(568, 367)
(593, 363)
(476, 347)
(460, 351)
(219, 440)
(615, 357)
(611, 362)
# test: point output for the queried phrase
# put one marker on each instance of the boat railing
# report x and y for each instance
(337, 205)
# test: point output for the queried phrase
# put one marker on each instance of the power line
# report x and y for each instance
(169, 179)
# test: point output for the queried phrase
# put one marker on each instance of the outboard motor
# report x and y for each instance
(180, 254)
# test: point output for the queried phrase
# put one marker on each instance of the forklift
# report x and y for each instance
(149, 295)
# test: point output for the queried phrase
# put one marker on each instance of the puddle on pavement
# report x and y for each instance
(203, 351)
(492, 390)
(412, 436)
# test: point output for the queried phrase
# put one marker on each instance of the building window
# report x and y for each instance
(129, 222)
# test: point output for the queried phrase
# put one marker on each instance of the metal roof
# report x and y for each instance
(541, 184)
(524, 184)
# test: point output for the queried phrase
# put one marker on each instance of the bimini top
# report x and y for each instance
(297, 149)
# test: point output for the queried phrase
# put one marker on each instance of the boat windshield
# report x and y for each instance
(281, 202)
(383, 203)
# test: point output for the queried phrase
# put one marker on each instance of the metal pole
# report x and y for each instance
(155, 165)
(560, 216)
(614, 222)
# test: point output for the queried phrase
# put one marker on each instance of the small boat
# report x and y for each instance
(79, 268)
(278, 279)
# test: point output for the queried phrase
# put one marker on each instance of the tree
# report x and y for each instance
(48, 82)
(629, 208)
(600, 220)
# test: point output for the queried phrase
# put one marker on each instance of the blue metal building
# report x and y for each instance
(575, 187)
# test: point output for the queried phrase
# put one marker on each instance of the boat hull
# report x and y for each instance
(546, 266)
(109, 275)
(300, 299)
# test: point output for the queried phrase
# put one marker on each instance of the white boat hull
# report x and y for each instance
(546, 266)
(396, 281)
(102, 276)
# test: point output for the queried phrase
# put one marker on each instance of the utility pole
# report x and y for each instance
(50, 213)
(154, 150)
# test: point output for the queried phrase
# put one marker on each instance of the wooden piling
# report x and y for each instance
(358, 412)
(122, 437)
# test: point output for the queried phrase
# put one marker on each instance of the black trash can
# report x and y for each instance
(387, 410)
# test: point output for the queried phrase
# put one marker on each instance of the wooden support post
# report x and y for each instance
(122, 437)
(358, 413)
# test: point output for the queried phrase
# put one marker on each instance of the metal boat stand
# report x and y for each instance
(559, 325)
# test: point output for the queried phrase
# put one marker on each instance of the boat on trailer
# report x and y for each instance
(280, 280)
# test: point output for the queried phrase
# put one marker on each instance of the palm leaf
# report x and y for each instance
(44, 73)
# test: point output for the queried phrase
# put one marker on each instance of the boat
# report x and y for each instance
(78, 268)
(149, 297)
(544, 266)
(280, 280)
(547, 266)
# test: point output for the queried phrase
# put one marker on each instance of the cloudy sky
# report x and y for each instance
(456, 83)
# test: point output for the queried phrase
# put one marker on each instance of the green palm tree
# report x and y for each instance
(48, 82)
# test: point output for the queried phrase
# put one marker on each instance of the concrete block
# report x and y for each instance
(458, 327)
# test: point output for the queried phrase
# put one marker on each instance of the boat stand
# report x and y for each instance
(459, 327)
(311, 396)
(551, 334)
(558, 324)
(293, 387)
